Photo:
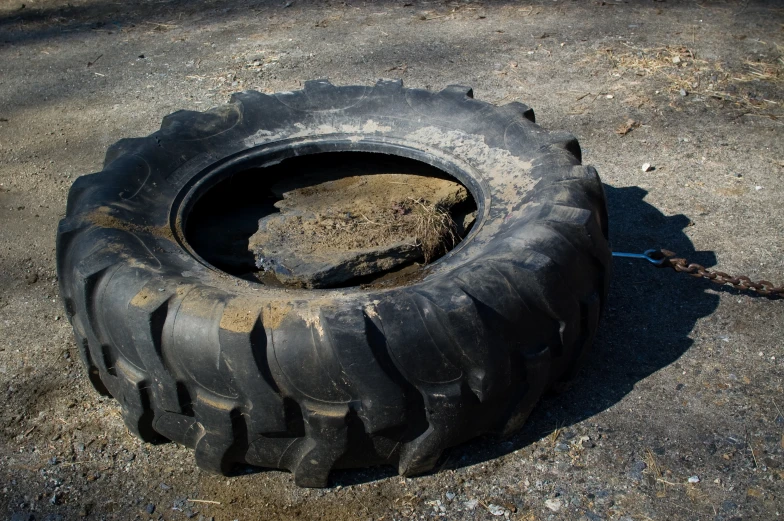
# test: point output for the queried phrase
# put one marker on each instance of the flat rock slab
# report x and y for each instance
(330, 232)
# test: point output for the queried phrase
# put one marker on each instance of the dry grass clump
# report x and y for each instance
(429, 225)
(685, 72)
(762, 71)
(434, 229)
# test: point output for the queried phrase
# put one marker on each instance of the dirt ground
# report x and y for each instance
(680, 413)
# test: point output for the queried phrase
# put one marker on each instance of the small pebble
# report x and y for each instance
(553, 504)
(694, 479)
(646, 167)
(450, 496)
(684, 93)
(150, 508)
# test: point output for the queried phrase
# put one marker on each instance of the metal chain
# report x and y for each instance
(667, 259)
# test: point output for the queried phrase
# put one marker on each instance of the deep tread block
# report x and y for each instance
(244, 347)
(121, 148)
(382, 401)
(521, 109)
(224, 438)
(451, 420)
(147, 312)
(459, 91)
(326, 437)
(135, 402)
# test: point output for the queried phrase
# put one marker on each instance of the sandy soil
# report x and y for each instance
(679, 415)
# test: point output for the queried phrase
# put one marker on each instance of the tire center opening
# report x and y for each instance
(331, 220)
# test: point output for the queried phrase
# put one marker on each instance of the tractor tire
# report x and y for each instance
(312, 380)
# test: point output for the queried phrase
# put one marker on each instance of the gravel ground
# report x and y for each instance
(680, 413)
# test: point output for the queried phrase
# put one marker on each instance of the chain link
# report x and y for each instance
(741, 282)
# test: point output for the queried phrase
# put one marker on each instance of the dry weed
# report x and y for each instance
(434, 229)
(429, 225)
(686, 72)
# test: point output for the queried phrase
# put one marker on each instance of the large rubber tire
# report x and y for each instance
(311, 380)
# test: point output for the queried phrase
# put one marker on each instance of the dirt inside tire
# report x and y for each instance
(333, 231)
(333, 220)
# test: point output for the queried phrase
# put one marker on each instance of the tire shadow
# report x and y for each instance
(649, 315)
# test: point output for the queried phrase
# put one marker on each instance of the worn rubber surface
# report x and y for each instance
(311, 380)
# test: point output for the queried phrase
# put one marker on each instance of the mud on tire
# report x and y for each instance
(311, 380)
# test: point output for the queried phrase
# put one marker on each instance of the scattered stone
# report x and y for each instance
(553, 504)
(609, 96)
(562, 447)
(496, 510)
(635, 472)
(676, 60)
(729, 505)
(602, 497)
(450, 496)
(471, 504)
(164, 486)
(754, 492)
(694, 479)
(647, 167)
(684, 93)
(586, 442)
(150, 508)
